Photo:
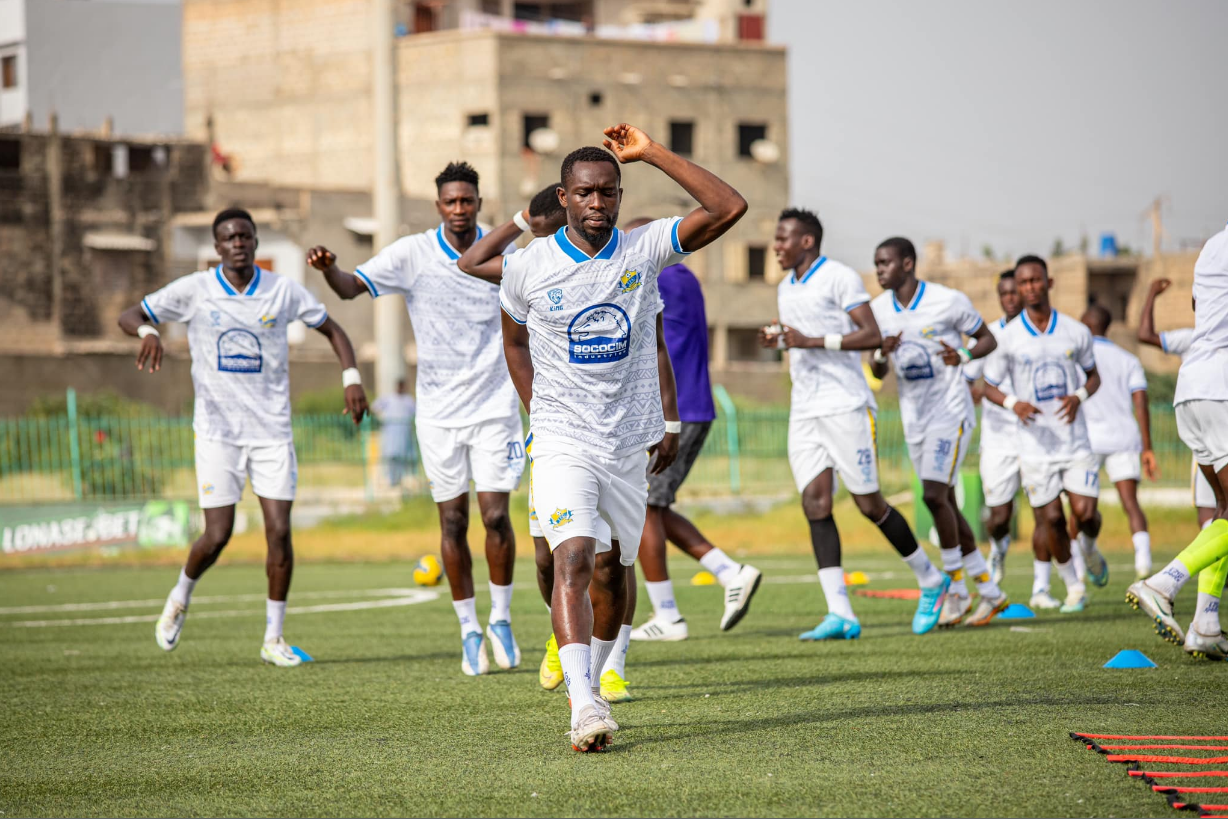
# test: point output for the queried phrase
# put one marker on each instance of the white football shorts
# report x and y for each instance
(937, 456)
(491, 453)
(1203, 426)
(999, 477)
(845, 442)
(535, 525)
(1204, 495)
(581, 494)
(1122, 466)
(1045, 480)
(222, 468)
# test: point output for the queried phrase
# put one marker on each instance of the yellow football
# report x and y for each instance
(428, 572)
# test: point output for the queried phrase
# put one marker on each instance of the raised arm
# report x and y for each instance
(355, 397)
(720, 206)
(131, 321)
(519, 362)
(343, 283)
(1147, 321)
(484, 258)
(667, 448)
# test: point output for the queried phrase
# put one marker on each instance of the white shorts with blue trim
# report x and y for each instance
(845, 442)
(938, 456)
(1046, 480)
(222, 468)
(999, 477)
(491, 453)
(1121, 466)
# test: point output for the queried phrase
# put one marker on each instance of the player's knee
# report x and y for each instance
(1052, 516)
(454, 523)
(935, 497)
(872, 506)
(215, 539)
(277, 532)
(496, 520)
(816, 507)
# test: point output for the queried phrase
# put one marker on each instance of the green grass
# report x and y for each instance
(97, 721)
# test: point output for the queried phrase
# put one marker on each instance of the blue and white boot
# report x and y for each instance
(929, 607)
(833, 627)
(507, 653)
(473, 657)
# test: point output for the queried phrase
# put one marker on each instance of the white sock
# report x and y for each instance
(1142, 549)
(978, 570)
(953, 565)
(1087, 542)
(1208, 523)
(720, 565)
(1074, 583)
(601, 651)
(574, 657)
(832, 580)
(182, 593)
(927, 573)
(1206, 616)
(467, 613)
(1076, 558)
(661, 593)
(618, 657)
(1001, 545)
(274, 619)
(1041, 570)
(1169, 580)
(501, 603)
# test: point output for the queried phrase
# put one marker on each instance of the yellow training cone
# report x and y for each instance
(703, 579)
(855, 579)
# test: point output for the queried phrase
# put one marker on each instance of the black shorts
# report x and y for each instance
(663, 488)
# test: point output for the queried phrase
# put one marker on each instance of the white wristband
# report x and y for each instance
(147, 330)
(832, 341)
(879, 357)
(520, 221)
(1081, 394)
(1009, 402)
(964, 355)
(351, 377)
(673, 426)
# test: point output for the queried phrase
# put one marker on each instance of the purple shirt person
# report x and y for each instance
(686, 337)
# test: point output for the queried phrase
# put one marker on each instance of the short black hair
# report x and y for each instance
(587, 154)
(1006, 274)
(232, 213)
(1033, 260)
(457, 172)
(546, 201)
(901, 246)
(1103, 315)
(807, 219)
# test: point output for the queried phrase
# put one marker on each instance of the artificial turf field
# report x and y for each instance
(98, 721)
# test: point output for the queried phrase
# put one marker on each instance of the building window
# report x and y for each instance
(744, 346)
(682, 137)
(748, 133)
(424, 17)
(756, 263)
(10, 154)
(478, 120)
(594, 99)
(532, 122)
(8, 66)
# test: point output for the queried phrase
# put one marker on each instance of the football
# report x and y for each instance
(428, 571)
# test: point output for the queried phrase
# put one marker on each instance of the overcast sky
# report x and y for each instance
(1006, 123)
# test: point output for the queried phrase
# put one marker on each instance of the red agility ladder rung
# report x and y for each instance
(1175, 760)
(1174, 789)
(1163, 774)
(1184, 747)
(1145, 736)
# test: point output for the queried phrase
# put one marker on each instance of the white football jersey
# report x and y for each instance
(999, 426)
(933, 396)
(240, 368)
(1045, 365)
(1177, 342)
(1204, 367)
(592, 335)
(825, 382)
(462, 375)
(1111, 425)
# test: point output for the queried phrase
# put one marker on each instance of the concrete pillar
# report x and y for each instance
(55, 212)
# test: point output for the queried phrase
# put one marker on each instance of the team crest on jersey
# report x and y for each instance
(238, 351)
(560, 517)
(268, 322)
(1070, 353)
(1049, 381)
(556, 295)
(913, 361)
(928, 332)
(599, 334)
(630, 280)
(206, 489)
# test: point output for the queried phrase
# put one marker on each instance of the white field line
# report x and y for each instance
(197, 600)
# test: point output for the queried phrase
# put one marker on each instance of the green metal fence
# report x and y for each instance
(69, 457)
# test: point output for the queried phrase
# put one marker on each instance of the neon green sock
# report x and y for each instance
(1211, 579)
(1206, 549)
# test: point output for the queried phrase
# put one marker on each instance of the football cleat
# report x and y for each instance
(833, 627)
(929, 607)
(1076, 601)
(1159, 608)
(170, 624)
(591, 731)
(986, 610)
(277, 652)
(1206, 646)
(738, 595)
(659, 629)
(997, 565)
(1097, 567)
(954, 610)
(507, 653)
(473, 655)
(550, 675)
(1044, 600)
(614, 688)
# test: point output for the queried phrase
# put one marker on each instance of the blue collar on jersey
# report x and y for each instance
(810, 272)
(1031, 328)
(230, 291)
(577, 255)
(1101, 340)
(446, 246)
(916, 298)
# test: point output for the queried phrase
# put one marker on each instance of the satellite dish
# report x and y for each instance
(765, 151)
(544, 141)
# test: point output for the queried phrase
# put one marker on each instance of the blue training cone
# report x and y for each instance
(1016, 611)
(302, 655)
(1130, 659)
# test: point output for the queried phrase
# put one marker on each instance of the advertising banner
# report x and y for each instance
(103, 526)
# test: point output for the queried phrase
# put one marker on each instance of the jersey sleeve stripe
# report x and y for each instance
(1164, 342)
(855, 305)
(323, 319)
(989, 380)
(674, 239)
(510, 314)
(149, 311)
(979, 324)
(367, 282)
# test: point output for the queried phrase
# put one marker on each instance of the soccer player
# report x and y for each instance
(468, 423)
(585, 345)
(1047, 355)
(999, 455)
(1201, 400)
(825, 319)
(923, 325)
(1176, 342)
(1119, 428)
(686, 337)
(237, 316)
